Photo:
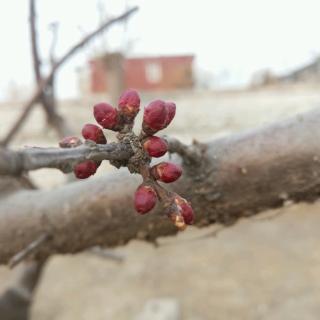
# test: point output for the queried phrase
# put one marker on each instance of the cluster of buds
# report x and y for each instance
(157, 116)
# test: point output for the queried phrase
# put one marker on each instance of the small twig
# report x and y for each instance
(28, 250)
(54, 30)
(16, 162)
(34, 42)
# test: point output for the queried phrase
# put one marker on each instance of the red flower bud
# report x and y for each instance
(129, 103)
(155, 146)
(171, 108)
(166, 172)
(184, 210)
(154, 117)
(187, 213)
(70, 142)
(157, 116)
(85, 169)
(106, 116)
(94, 133)
(145, 199)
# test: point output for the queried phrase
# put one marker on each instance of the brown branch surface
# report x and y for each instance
(45, 81)
(238, 176)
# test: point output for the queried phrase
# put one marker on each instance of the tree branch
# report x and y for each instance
(238, 176)
(47, 95)
(16, 300)
(34, 42)
(37, 95)
(16, 162)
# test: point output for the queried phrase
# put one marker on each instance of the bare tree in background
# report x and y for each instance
(45, 88)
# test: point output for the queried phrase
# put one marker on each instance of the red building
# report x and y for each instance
(144, 73)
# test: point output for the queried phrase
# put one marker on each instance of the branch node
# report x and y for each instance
(190, 154)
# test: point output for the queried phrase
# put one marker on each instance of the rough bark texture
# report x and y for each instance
(237, 176)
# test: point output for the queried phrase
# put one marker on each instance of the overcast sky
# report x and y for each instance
(230, 38)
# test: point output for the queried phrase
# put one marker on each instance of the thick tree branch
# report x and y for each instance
(238, 176)
(16, 300)
(37, 95)
(16, 162)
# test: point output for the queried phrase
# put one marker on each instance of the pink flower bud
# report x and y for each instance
(129, 103)
(155, 146)
(94, 133)
(106, 116)
(166, 172)
(157, 116)
(184, 209)
(145, 199)
(70, 142)
(85, 169)
(187, 213)
(171, 108)
(154, 117)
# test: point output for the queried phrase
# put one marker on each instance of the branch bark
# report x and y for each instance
(16, 162)
(37, 95)
(16, 300)
(238, 176)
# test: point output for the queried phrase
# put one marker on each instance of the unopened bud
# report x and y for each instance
(145, 199)
(185, 209)
(171, 109)
(166, 172)
(129, 104)
(94, 133)
(106, 116)
(155, 146)
(154, 117)
(70, 142)
(85, 169)
(157, 116)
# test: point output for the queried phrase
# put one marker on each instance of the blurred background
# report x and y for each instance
(229, 66)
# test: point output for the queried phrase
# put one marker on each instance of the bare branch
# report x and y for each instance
(16, 300)
(28, 250)
(239, 176)
(54, 26)
(34, 42)
(37, 95)
(16, 162)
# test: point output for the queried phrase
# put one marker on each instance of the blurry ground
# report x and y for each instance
(263, 268)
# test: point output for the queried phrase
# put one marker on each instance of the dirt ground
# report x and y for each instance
(266, 267)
